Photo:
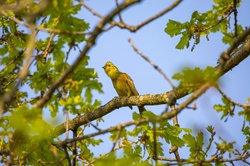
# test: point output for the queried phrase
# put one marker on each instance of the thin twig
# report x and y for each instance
(175, 118)
(95, 127)
(121, 24)
(150, 62)
(42, 22)
(220, 21)
(67, 155)
(235, 19)
(66, 112)
(108, 130)
(155, 144)
(74, 151)
(45, 53)
(211, 160)
(117, 137)
(211, 139)
(30, 47)
(175, 123)
(71, 45)
(119, 14)
(230, 100)
(85, 162)
(91, 10)
(81, 131)
(59, 31)
(14, 19)
(171, 7)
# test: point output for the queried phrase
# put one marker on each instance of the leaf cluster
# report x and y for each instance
(59, 30)
(193, 78)
(202, 24)
(23, 130)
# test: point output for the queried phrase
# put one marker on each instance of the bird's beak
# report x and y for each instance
(103, 67)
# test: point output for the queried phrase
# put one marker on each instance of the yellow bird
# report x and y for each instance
(122, 83)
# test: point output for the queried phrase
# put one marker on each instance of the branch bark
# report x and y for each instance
(165, 98)
(134, 28)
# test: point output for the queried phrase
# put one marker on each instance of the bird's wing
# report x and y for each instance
(131, 85)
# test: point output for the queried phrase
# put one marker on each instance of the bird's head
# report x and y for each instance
(110, 69)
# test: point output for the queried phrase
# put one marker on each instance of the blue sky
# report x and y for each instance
(160, 48)
(154, 43)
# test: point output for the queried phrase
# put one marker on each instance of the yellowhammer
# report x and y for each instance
(122, 83)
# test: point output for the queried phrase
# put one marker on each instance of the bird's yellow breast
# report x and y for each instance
(121, 86)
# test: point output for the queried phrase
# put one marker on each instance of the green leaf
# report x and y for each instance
(136, 116)
(210, 129)
(118, 134)
(148, 114)
(192, 78)
(53, 109)
(189, 139)
(225, 108)
(246, 114)
(200, 140)
(228, 38)
(88, 95)
(174, 28)
(196, 145)
(94, 142)
(246, 132)
(195, 16)
(183, 42)
(75, 9)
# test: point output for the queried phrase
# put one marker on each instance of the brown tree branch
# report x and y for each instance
(119, 14)
(74, 150)
(175, 123)
(40, 28)
(171, 7)
(155, 157)
(241, 157)
(230, 100)
(111, 129)
(113, 23)
(165, 98)
(117, 137)
(150, 62)
(224, 56)
(45, 53)
(121, 24)
(91, 10)
(235, 18)
(220, 21)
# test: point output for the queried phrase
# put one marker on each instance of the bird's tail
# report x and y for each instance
(141, 110)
